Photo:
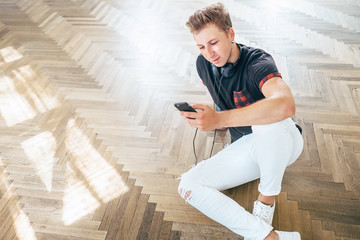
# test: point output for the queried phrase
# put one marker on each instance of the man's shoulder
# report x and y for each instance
(258, 65)
(256, 58)
(254, 54)
(201, 61)
(202, 66)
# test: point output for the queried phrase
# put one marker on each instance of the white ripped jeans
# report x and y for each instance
(263, 154)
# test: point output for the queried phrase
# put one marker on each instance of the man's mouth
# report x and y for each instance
(215, 60)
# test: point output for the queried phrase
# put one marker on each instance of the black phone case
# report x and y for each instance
(184, 106)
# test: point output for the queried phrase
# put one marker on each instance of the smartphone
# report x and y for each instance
(184, 106)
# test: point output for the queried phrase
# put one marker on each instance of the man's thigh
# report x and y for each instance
(231, 167)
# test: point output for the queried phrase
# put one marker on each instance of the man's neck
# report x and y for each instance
(235, 53)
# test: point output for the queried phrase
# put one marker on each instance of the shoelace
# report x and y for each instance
(262, 211)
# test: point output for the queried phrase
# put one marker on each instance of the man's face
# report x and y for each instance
(214, 44)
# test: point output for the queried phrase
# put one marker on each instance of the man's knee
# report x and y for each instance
(185, 188)
(188, 186)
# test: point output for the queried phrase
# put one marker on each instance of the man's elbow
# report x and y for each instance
(289, 109)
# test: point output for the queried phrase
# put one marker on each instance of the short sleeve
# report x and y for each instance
(261, 68)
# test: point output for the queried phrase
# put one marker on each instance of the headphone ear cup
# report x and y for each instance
(215, 71)
(228, 70)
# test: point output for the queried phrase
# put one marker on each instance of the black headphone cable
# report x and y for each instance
(196, 159)
(212, 146)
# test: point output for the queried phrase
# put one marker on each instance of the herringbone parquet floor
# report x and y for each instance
(91, 145)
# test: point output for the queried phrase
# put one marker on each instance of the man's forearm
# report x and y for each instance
(265, 111)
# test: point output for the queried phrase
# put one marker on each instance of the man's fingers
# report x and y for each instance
(188, 114)
(191, 122)
(199, 106)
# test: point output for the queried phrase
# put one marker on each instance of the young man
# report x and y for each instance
(256, 106)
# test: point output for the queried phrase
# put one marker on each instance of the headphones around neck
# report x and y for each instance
(228, 70)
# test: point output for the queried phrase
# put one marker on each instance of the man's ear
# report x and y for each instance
(231, 34)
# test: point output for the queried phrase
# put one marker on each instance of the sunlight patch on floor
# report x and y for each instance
(101, 176)
(9, 54)
(14, 107)
(40, 150)
(90, 177)
(23, 95)
(78, 200)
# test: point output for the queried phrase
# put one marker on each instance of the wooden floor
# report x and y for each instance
(91, 144)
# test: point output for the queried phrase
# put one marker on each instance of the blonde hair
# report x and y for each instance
(215, 13)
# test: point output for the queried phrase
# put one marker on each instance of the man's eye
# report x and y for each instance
(201, 48)
(213, 43)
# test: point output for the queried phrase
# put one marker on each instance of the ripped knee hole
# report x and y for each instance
(186, 195)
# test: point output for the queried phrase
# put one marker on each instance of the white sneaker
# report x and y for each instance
(263, 211)
(288, 235)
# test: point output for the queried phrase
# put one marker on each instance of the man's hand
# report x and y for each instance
(206, 119)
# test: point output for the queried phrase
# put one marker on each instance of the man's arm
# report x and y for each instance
(277, 105)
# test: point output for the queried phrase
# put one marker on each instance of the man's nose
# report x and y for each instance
(209, 52)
